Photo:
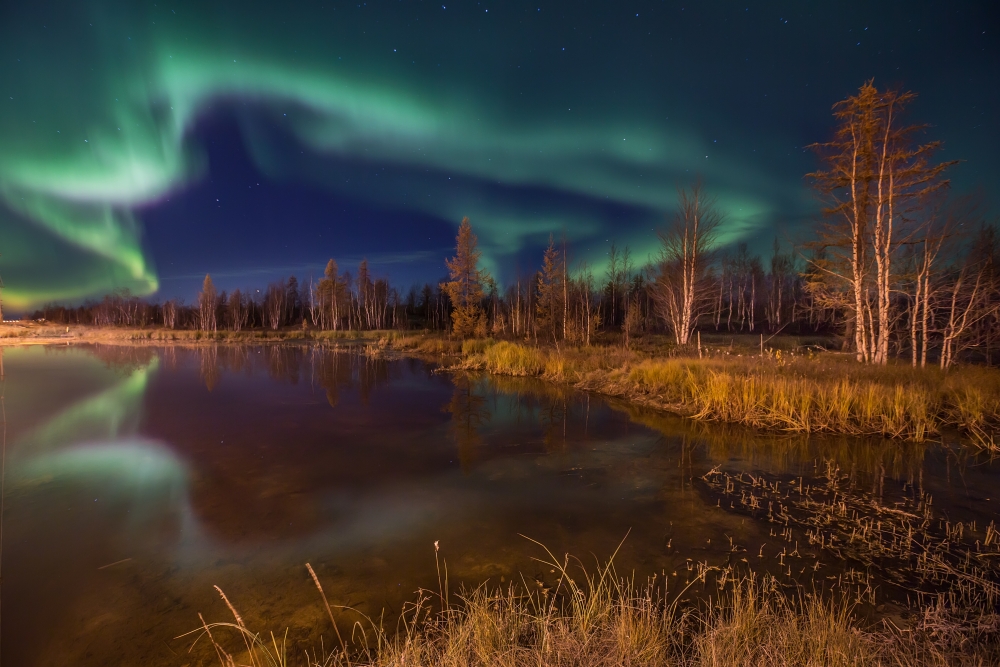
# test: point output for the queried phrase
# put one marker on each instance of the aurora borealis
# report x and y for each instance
(143, 144)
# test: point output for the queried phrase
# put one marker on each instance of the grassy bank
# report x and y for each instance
(789, 391)
(805, 392)
(711, 620)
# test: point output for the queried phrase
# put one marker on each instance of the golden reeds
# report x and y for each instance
(803, 394)
(598, 618)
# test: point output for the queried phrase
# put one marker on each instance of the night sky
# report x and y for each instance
(143, 144)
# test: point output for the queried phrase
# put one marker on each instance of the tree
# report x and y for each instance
(207, 301)
(682, 292)
(238, 310)
(876, 177)
(465, 287)
(170, 314)
(366, 290)
(549, 285)
(612, 281)
(590, 318)
(293, 303)
(782, 266)
(274, 304)
(330, 295)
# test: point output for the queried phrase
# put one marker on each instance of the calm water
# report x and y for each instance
(137, 478)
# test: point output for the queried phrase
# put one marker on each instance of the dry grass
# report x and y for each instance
(33, 333)
(507, 358)
(426, 344)
(596, 619)
(827, 393)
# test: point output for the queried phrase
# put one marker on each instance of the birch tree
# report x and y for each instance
(682, 291)
(876, 176)
(207, 299)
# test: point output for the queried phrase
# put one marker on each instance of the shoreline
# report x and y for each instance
(784, 391)
(777, 392)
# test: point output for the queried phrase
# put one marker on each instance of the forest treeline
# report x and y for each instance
(897, 267)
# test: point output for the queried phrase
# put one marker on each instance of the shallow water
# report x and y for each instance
(136, 479)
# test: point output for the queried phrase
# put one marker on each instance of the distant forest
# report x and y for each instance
(896, 267)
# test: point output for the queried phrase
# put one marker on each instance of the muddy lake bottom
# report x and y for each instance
(137, 478)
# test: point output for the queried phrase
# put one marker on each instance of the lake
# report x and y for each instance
(137, 478)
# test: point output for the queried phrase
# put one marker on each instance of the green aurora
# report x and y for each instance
(102, 98)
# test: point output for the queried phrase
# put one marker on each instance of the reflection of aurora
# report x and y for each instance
(111, 414)
(108, 130)
(95, 443)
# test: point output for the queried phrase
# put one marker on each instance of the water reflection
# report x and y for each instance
(234, 465)
(469, 412)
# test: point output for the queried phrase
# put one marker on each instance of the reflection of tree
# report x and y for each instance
(284, 363)
(122, 359)
(216, 359)
(552, 414)
(335, 370)
(468, 412)
(549, 403)
(210, 372)
(333, 373)
(235, 358)
(372, 372)
(870, 459)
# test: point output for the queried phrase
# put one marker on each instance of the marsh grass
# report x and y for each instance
(581, 617)
(425, 344)
(803, 393)
(917, 553)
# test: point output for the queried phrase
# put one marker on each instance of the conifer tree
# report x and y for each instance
(549, 307)
(465, 289)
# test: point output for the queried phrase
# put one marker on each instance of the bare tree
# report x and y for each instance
(682, 291)
(963, 310)
(314, 307)
(331, 296)
(876, 176)
(239, 311)
(274, 304)
(207, 303)
(170, 314)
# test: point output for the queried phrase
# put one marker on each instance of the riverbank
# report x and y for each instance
(791, 386)
(33, 333)
(804, 391)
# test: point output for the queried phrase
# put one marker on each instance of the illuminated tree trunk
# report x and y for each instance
(876, 177)
(207, 304)
(681, 289)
